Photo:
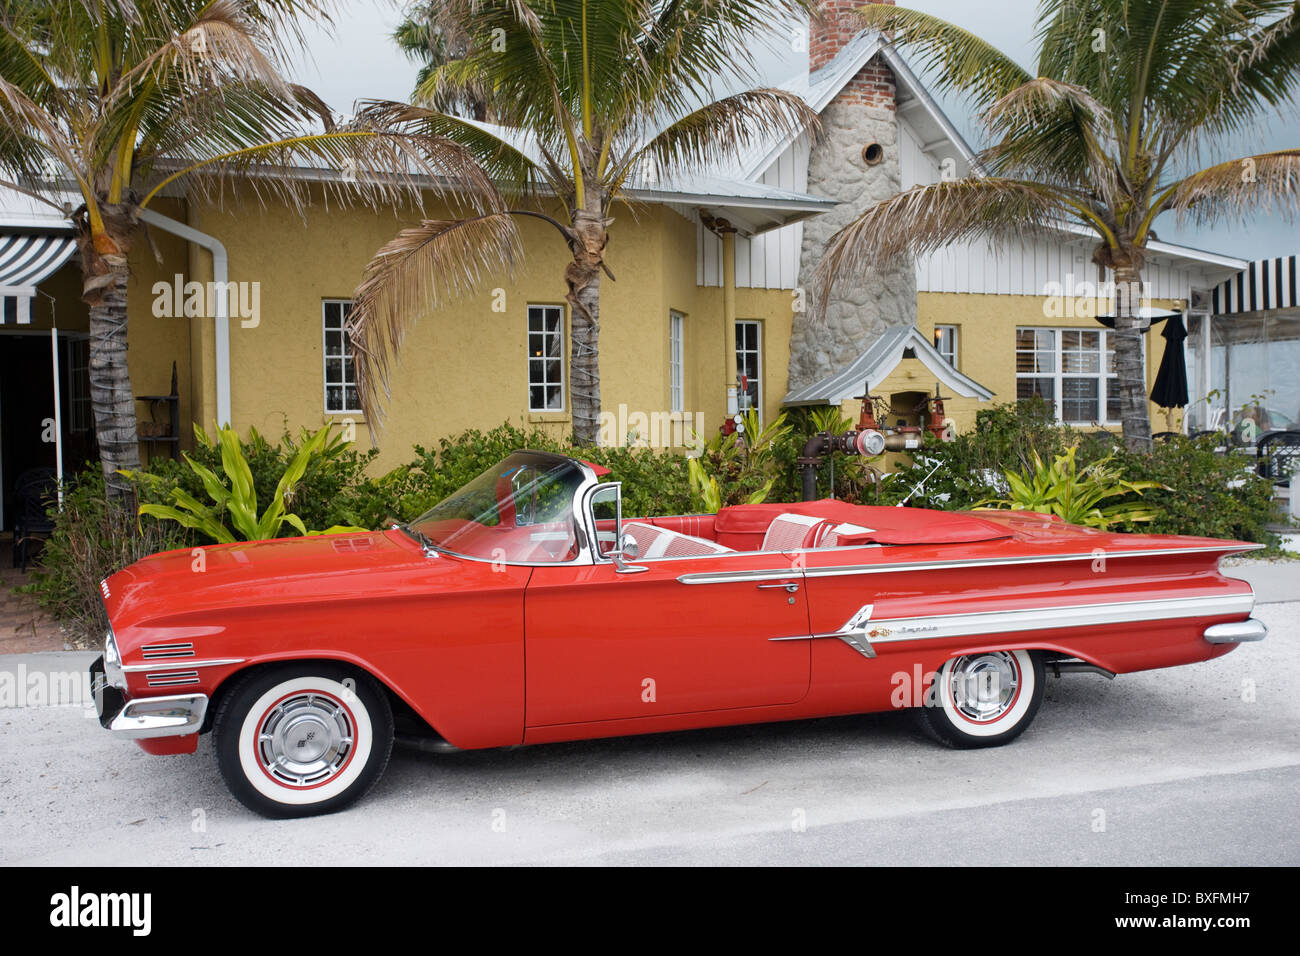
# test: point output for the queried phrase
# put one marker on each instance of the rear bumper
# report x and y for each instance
(145, 717)
(1237, 632)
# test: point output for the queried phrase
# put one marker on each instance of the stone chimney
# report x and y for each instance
(836, 26)
(857, 162)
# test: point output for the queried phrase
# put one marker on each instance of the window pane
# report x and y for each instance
(334, 398)
(1080, 351)
(1043, 388)
(553, 400)
(536, 398)
(1079, 399)
(334, 371)
(354, 400)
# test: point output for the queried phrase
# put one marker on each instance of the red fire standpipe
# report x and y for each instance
(865, 442)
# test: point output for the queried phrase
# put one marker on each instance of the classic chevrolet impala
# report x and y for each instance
(526, 608)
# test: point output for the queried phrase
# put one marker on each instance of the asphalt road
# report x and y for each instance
(1190, 765)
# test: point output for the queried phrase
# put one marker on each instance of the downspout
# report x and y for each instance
(220, 277)
(730, 378)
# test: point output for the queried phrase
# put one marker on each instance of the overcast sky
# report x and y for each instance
(360, 61)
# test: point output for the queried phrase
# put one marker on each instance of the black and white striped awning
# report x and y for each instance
(1264, 284)
(24, 262)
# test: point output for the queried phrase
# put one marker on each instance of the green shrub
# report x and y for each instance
(1205, 493)
(654, 481)
(90, 541)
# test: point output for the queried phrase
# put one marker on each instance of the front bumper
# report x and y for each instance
(145, 717)
(1236, 632)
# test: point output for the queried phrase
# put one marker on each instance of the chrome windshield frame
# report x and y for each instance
(580, 520)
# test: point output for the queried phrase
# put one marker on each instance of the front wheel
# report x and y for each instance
(299, 740)
(985, 699)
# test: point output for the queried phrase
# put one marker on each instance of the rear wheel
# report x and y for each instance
(299, 740)
(985, 699)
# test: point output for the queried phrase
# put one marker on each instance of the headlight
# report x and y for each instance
(113, 672)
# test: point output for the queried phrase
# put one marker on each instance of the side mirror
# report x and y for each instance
(627, 550)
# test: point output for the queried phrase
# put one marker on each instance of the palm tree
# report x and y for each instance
(1106, 132)
(431, 38)
(117, 100)
(590, 96)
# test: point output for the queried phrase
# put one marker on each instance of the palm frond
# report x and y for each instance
(962, 62)
(511, 169)
(421, 269)
(1053, 131)
(724, 128)
(1251, 184)
(925, 218)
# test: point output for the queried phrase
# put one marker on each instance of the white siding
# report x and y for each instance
(1026, 266)
(769, 260)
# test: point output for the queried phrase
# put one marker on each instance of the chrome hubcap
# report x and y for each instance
(305, 739)
(983, 686)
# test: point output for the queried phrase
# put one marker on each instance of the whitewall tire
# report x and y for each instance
(984, 699)
(298, 740)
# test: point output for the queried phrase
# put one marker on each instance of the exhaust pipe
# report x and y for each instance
(432, 745)
(1078, 667)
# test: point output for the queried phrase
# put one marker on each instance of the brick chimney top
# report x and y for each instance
(835, 27)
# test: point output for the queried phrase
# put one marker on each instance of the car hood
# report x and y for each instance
(282, 571)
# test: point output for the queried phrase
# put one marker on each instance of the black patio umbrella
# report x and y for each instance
(1170, 389)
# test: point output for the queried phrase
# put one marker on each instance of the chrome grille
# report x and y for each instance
(153, 652)
(171, 678)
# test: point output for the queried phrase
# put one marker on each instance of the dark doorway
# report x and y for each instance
(27, 409)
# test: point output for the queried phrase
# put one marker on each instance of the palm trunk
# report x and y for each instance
(583, 278)
(1131, 382)
(104, 288)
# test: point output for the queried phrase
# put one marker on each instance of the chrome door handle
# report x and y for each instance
(790, 586)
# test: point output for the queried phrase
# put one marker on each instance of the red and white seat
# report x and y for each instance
(655, 542)
(789, 531)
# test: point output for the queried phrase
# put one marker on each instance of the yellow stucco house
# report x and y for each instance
(708, 309)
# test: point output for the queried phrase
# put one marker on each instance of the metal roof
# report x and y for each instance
(875, 364)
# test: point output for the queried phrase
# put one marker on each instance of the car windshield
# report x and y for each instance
(518, 511)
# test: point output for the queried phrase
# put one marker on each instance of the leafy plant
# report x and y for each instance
(739, 468)
(1075, 494)
(238, 500)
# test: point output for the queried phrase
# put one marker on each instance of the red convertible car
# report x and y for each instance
(526, 608)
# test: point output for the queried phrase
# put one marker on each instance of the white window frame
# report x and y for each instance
(1103, 376)
(949, 355)
(349, 373)
(81, 414)
(676, 361)
(545, 383)
(757, 352)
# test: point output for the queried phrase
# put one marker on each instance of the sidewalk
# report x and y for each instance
(24, 627)
(1274, 580)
